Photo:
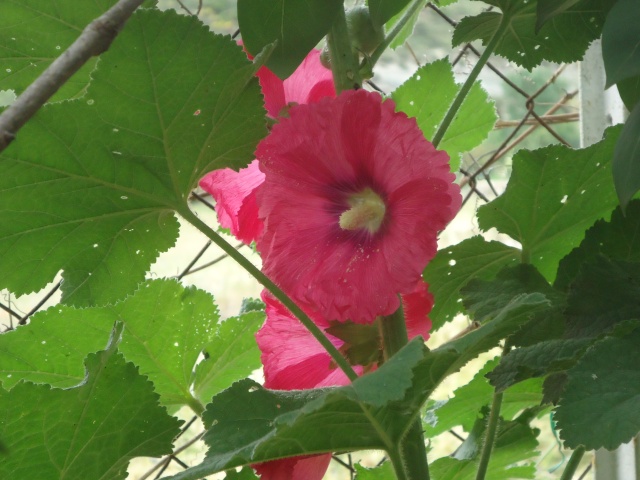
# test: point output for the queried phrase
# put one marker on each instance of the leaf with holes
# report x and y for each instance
(88, 431)
(427, 96)
(35, 33)
(297, 27)
(600, 406)
(563, 38)
(626, 159)
(553, 196)
(90, 187)
(621, 41)
(453, 267)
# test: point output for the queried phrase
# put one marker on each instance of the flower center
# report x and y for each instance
(367, 211)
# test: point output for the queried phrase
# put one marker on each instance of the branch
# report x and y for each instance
(94, 40)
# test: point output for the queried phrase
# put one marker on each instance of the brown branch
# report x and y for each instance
(94, 40)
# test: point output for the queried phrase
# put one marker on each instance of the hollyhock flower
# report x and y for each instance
(234, 192)
(353, 199)
(293, 360)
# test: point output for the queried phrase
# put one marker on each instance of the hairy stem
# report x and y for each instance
(490, 437)
(397, 28)
(573, 463)
(274, 289)
(94, 40)
(344, 62)
(466, 87)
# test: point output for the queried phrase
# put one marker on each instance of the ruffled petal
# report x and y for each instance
(296, 468)
(416, 306)
(234, 193)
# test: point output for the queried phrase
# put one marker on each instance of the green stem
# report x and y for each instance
(573, 463)
(412, 451)
(397, 28)
(490, 437)
(398, 467)
(344, 62)
(274, 289)
(466, 87)
(196, 406)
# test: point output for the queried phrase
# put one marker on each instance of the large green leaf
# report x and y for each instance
(563, 38)
(382, 472)
(629, 90)
(618, 240)
(453, 267)
(554, 195)
(249, 424)
(600, 406)
(427, 96)
(35, 33)
(464, 407)
(383, 10)
(621, 41)
(296, 26)
(166, 328)
(90, 186)
(626, 159)
(89, 431)
(548, 9)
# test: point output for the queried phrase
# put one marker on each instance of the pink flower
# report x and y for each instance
(296, 468)
(234, 192)
(353, 199)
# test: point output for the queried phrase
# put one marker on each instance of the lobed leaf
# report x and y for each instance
(564, 37)
(621, 41)
(91, 186)
(88, 431)
(553, 196)
(427, 96)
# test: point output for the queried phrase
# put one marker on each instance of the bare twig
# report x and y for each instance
(184, 7)
(44, 299)
(199, 7)
(94, 40)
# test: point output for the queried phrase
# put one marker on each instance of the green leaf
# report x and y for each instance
(483, 299)
(554, 194)
(383, 10)
(383, 472)
(297, 27)
(547, 9)
(600, 406)
(537, 360)
(230, 356)
(515, 443)
(626, 159)
(618, 239)
(621, 41)
(90, 186)
(604, 296)
(244, 474)
(453, 267)
(427, 96)
(89, 431)
(166, 327)
(563, 38)
(407, 29)
(464, 408)
(629, 90)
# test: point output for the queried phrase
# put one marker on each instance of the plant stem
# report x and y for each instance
(490, 437)
(274, 289)
(397, 28)
(344, 62)
(573, 463)
(466, 87)
(196, 406)
(398, 466)
(412, 451)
